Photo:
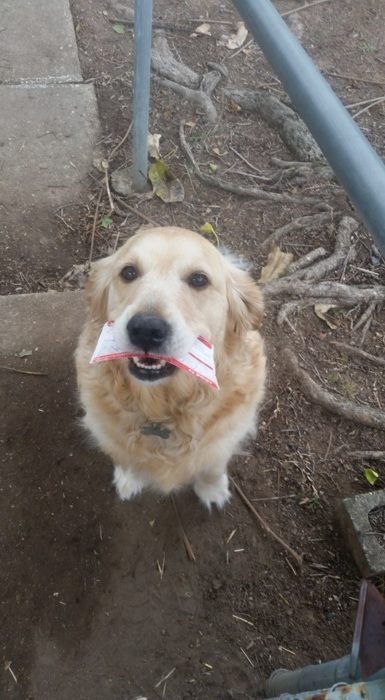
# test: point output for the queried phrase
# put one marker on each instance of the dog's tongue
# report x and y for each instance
(199, 361)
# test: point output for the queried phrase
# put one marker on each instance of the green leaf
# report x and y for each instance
(167, 187)
(213, 167)
(371, 475)
(208, 229)
(118, 28)
(105, 221)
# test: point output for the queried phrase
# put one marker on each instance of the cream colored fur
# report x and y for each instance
(206, 426)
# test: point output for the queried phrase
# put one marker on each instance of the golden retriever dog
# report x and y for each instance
(162, 427)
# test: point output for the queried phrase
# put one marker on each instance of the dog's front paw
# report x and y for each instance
(211, 491)
(126, 483)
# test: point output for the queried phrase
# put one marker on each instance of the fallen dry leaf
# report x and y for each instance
(321, 310)
(202, 29)
(238, 37)
(276, 266)
(167, 187)
(153, 145)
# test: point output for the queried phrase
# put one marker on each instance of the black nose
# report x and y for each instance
(148, 332)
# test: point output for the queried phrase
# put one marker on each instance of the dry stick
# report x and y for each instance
(297, 225)
(355, 78)
(254, 192)
(303, 7)
(366, 109)
(298, 558)
(186, 541)
(368, 454)
(23, 371)
(120, 144)
(107, 184)
(94, 224)
(363, 415)
(357, 352)
(135, 211)
(257, 170)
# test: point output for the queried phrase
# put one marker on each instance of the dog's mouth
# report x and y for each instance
(150, 369)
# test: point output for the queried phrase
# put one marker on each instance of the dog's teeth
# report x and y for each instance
(154, 366)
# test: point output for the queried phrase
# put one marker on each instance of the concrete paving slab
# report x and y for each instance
(368, 549)
(47, 143)
(48, 324)
(38, 42)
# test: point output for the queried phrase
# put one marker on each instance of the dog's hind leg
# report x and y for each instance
(126, 483)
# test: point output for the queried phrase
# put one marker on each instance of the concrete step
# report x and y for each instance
(48, 324)
(47, 143)
(38, 43)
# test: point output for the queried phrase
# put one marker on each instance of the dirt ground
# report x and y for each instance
(98, 598)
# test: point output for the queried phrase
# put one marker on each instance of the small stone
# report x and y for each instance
(367, 548)
(121, 181)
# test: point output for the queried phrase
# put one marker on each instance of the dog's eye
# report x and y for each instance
(198, 280)
(129, 273)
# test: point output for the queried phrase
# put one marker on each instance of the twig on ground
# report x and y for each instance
(254, 192)
(377, 455)
(363, 415)
(355, 78)
(95, 221)
(368, 107)
(107, 184)
(23, 371)
(120, 144)
(357, 352)
(186, 541)
(303, 7)
(257, 170)
(292, 130)
(297, 225)
(298, 558)
(135, 211)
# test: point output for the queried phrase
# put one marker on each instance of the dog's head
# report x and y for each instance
(165, 287)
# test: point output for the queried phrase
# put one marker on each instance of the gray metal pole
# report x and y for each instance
(141, 106)
(356, 164)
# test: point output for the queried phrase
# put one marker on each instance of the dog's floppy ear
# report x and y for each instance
(244, 299)
(96, 290)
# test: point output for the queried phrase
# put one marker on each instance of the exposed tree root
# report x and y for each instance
(306, 260)
(254, 192)
(357, 352)
(164, 63)
(300, 171)
(201, 97)
(299, 224)
(344, 252)
(342, 294)
(363, 415)
(292, 130)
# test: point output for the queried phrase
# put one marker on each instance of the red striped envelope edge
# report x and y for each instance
(199, 361)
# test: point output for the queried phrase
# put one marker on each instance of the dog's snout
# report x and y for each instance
(148, 332)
